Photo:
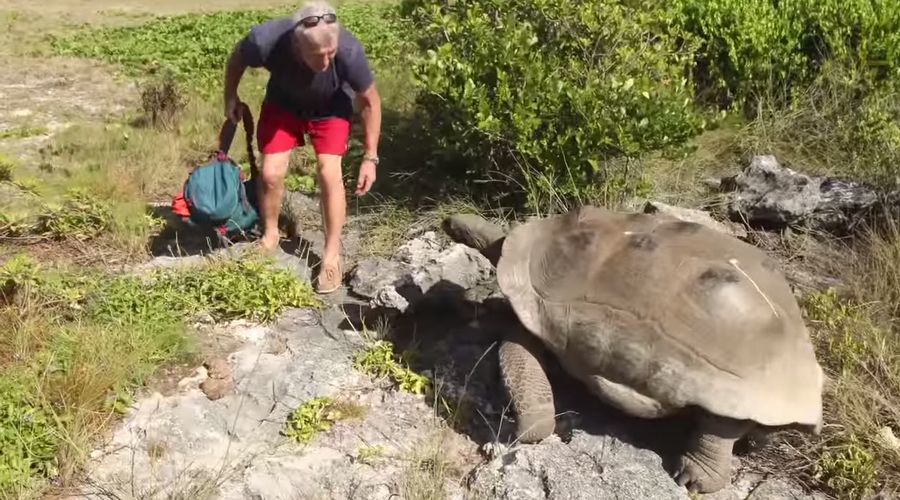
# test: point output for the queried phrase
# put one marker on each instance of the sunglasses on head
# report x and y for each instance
(311, 21)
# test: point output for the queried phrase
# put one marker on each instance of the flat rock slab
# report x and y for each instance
(232, 447)
(598, 467)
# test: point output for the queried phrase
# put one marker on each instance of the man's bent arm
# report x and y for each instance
(371, 116)
(233, 73)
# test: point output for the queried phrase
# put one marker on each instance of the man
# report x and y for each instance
(316, 66)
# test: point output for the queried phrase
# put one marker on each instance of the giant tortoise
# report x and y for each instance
(654, 315)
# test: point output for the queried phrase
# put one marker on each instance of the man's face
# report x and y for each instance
(317, 58)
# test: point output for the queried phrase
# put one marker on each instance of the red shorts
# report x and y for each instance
(279, 131)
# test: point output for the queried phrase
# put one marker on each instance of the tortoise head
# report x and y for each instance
(476, 232)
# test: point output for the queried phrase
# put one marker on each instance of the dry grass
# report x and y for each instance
(856, 336)
(435, 463)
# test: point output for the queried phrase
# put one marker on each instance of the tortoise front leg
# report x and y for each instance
(526, 382)
(706, 465)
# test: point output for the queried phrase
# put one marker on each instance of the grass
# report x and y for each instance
(857, 341)
(80, 343)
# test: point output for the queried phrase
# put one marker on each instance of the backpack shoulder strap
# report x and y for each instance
(226, 137)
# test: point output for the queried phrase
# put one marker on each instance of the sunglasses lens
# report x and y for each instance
(312, 21)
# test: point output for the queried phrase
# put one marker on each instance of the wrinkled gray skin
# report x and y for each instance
(705, 465)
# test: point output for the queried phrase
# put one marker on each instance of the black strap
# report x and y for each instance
(226, 136)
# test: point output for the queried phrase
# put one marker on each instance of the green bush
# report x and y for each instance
(559, 87)
(558, 90)
(748, 48)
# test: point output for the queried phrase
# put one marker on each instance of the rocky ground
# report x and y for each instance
(217, 432)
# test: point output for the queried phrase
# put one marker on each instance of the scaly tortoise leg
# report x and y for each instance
(705, 466)
(526, 382)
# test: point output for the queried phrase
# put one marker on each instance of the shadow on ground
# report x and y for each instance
(454, 340)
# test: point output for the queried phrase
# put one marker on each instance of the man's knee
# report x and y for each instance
(274, 169)
(329, 169)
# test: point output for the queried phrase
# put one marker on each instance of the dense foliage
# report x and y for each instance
(195, 48)
(565, 87)
(562, 89)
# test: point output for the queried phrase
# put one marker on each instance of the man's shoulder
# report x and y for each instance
(348, 44)
(269, 32)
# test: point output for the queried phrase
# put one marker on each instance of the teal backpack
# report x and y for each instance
(216, 194)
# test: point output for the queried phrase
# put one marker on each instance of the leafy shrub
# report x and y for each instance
(81, 217)
(560, 87)
(749, 47)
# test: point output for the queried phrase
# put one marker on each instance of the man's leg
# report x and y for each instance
(334, 206)
(330, 140)
(277, 134)
(271, 193)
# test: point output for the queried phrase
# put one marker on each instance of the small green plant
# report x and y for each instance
(379, 360)
(6, 168)
(849, 470)
(300, 183)
(28, 436)
(318, 415)
(22, 132)
(849, 337)
(16, 273)
(82, 216)
(369, 454)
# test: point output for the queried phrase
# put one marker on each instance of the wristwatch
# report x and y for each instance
(373, 159)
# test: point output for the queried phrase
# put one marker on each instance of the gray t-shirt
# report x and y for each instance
(295, 87)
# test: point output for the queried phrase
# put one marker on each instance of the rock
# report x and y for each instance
(692, 215)
(887, 439)
(770, 196)
(220, 383)
(605, 467)
(417, 268)
(588, 467)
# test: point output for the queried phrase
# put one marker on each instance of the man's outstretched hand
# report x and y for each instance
(366, 177)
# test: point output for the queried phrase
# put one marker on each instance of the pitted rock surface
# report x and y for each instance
(768, 195)
(233, 447)
(587, 467)
(417, 268)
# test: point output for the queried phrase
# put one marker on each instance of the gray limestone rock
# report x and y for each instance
(604, 467)
(188, 446)
(417, 268)
(588, 467)
(767, 195)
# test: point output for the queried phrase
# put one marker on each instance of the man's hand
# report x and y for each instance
(366, 177)
(232, 108)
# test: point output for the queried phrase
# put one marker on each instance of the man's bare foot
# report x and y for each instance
(330, 276)
(269, 241)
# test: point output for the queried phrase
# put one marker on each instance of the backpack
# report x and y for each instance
(217, 196)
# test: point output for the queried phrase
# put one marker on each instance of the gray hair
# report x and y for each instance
(321, 35)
